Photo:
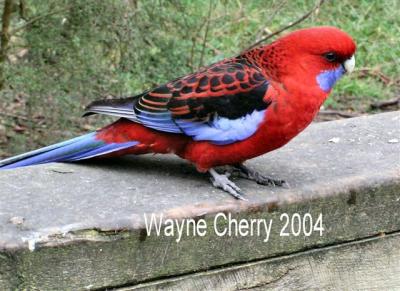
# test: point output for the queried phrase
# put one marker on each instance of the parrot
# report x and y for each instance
(223, 115)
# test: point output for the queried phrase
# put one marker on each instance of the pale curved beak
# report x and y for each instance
(350, 64)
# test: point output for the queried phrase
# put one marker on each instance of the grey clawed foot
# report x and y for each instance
(253, 175)
(222, 181)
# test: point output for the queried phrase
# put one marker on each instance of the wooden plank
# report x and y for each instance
(68, 226)
(371, 264)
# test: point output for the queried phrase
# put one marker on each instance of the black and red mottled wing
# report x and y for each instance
(223, 103)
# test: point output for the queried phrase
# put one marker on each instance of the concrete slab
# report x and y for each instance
(82, 225)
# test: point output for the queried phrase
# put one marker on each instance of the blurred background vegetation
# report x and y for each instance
(59, 55)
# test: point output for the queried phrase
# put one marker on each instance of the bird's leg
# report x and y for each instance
(253, 175)
(222, 181)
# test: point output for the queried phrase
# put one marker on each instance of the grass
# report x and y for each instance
(99, 48)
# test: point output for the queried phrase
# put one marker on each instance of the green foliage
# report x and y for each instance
(83, 50)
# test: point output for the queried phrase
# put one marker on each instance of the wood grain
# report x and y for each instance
(372, 264)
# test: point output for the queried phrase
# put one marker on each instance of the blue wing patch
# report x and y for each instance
(159, 121)
(222, 130)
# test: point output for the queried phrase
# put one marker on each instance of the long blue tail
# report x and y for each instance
(79, 148)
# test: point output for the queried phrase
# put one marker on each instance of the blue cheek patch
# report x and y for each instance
(327, 79)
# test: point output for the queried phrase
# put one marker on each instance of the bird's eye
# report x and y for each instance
(330, 56)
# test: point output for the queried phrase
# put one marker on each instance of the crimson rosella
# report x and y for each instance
(222, 115)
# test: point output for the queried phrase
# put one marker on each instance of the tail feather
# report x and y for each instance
(122, 107)
(79, 148)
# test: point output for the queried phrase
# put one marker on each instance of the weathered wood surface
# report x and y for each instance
(371, 264)
(68, 226)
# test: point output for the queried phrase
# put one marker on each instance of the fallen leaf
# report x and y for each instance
(334, 140)
(17, 220)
